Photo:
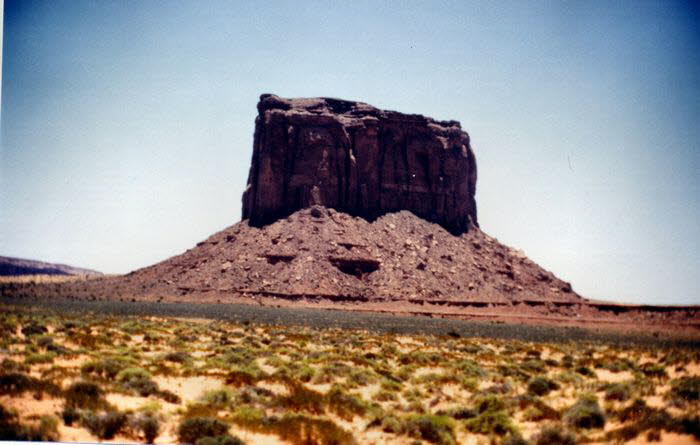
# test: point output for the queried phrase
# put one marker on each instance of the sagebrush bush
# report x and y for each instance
(618, 391)
(686, 388)
(585, 413)
(554, 435)
(85, 395)
(104, 425)
(541, 386)
(434, 429)
(195, 428)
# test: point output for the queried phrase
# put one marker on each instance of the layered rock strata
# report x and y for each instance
(357, 159)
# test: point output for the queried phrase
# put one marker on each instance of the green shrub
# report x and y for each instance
(15, 383)
(491, 422)
(346, 406)
(107, 368)
(434, 429)
(34, 329)
(469, 368)
(686, 388)
(178, 357)
(149, 425)
(9, 365)
(541, 386)
(105, 425)
(391, 424)
(515, 439)
(11, 429)
(653, 370)
(618, 391)
(554, 435)
(38, 358)
(195, 428)
(137, 380)
(70, 415)
(86, 395)
(218, 397)
(301, 429)
(585, 413)
(585, 371)
(301, 398)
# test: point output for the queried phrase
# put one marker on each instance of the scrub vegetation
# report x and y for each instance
(155, 379)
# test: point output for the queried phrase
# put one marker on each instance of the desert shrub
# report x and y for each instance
(137, 380)
(459, 413)
(301, 429)
(218, 397)
(390, 385)
(585, 413)
(585, 371)
(434, 429)
(11, 428)
(104, 425)
(541, 386)
(554, 435)
(34, 359)
(686, 388)
(346, 406)
(491, 417)
(15, 383)
(9, 365)
(361, 377)
(385, 396)
(469, 368)
(248, 416)
(533, 365)
(86, 395)
(653, 370)
(550, 362)
(44, 341)
(149, 425)
(168, 396)
(70, 415)
(515, 439)
(490, 422)
(328, 373)
(107, 368)
(617, 391)
(301, 398)
(391, 424)
(195, 428)
(34, 329)
(178, 357)
(245, 375)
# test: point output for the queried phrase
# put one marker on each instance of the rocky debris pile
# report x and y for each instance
(320, 252)
(357, 159)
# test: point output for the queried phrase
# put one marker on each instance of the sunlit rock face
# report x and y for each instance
(360, 160)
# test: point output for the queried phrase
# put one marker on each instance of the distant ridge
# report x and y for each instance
(20, 266)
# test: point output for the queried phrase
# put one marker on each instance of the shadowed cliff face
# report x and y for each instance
(359, 160)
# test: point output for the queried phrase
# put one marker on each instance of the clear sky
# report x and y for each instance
(127, 125)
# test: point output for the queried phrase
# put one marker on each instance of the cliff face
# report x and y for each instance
(360, 160)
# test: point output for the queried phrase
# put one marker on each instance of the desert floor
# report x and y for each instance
(95, 376)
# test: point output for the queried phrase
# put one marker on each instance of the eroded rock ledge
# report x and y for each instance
(360, 160)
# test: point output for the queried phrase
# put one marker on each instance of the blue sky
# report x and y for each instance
(127, 126)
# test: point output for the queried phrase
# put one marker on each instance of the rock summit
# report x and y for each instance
(359, 160)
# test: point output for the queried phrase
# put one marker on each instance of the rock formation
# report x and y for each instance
(359, 160)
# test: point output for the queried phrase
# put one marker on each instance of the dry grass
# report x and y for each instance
(138, 379)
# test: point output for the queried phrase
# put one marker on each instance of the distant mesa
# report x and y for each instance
(360, 160)
(18, 266)
(352, 207)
